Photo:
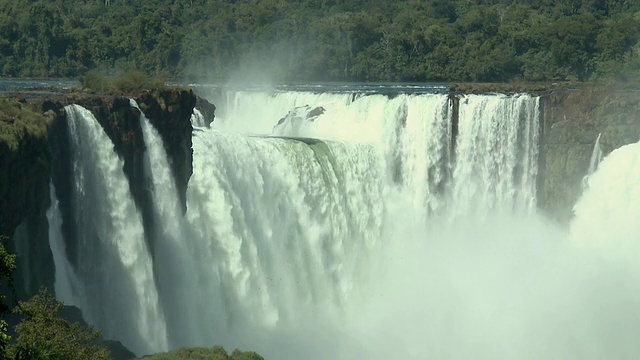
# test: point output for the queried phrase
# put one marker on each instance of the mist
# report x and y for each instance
(505, 287)
(510, 288)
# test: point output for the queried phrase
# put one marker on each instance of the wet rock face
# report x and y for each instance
(25, 164)
(570, 124)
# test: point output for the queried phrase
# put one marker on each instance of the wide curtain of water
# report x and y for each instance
(343, 225)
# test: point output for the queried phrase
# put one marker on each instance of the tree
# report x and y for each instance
(7, 266)
(43, 333)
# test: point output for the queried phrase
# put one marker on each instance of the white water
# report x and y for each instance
(596, 157)
(497, 155)
(606, 215)
(67, 285)
(381, 243)
(197, 119)
(114, 265)
(173, 254)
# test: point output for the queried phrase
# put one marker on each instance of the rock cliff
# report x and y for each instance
(25, 159)
(35, 149)
(571, 121)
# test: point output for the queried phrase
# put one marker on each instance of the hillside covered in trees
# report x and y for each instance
(321, 40)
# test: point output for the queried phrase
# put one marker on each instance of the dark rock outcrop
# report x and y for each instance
(170, 113)
(25, 163)
(207, 109)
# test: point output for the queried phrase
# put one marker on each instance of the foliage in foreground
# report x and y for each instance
(199, 353)
(45, 335)
(7, 265)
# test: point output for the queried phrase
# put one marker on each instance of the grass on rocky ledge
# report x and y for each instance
(200, 353)
(16, 121)
(130, 82)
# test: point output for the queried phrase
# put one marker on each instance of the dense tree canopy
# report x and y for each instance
(288, 40)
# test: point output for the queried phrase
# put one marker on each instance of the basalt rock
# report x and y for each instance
(207, 109)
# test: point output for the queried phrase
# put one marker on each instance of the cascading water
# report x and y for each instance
(607, 214)
(278, 240)
(322, 237)
(197, 119)
(596, 157)
(497, 154)
(113, 264)
(67, 286)
(172, 255)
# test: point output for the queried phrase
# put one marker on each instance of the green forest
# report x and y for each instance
(324, 40)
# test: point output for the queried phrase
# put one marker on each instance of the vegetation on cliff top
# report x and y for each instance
(215, 353)
(129, 82)
(17, 121)
(287, 40)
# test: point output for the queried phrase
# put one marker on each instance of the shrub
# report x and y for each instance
(43, 333)
(94, 80)
(132, 81)
(129, 82)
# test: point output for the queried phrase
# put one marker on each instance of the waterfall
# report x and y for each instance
(67, 284)
(278, 241)
(336, 226)
(197, 119)
(596, 157)
(608, 210)
(497, 154)
(424, 146)
(114, 265)
(172, 258)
